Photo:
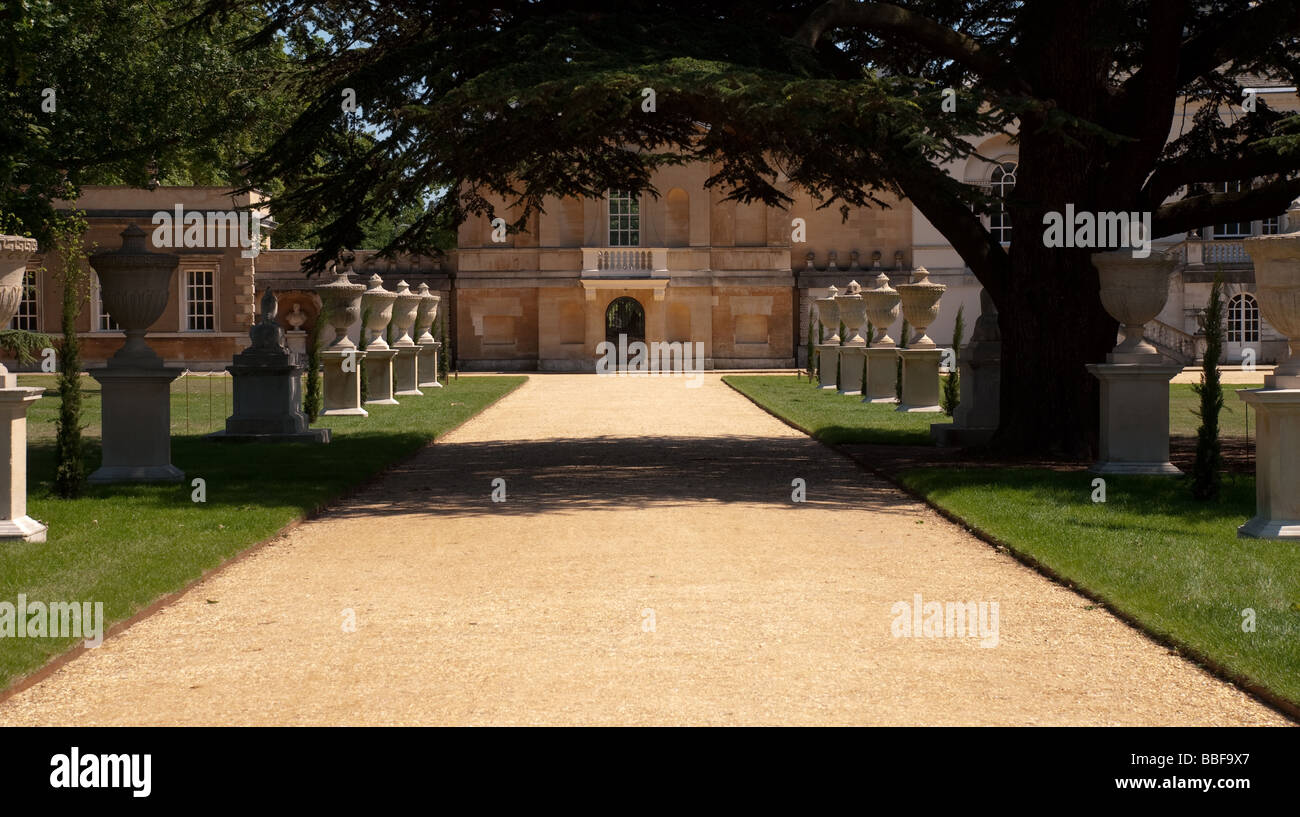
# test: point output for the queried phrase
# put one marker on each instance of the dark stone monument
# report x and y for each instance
(268, 389)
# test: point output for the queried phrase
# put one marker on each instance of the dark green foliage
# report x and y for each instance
(444, 351)
(902, 344)
(952, 386)
(361, 368)
(24, 345)
(313, 399)
(864, 375)
(838, 360)
(69, 456)
(812, 320)
(1206, 479)
(843, 333)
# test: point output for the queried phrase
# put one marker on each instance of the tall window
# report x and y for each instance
(102, 321)
(1232, 229)
(27, 317)
(200, 301)
(1243, 319)
(1002, 182)
(624, 219)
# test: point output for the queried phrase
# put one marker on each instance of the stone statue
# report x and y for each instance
(266, 334)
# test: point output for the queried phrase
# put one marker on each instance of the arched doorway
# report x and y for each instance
(625, 316)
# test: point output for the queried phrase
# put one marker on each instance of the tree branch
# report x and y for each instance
(1237, 35)
(888, 18)
(1186, 214)
(1168, 177)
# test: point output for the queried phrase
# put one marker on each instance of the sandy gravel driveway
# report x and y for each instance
(647, 567)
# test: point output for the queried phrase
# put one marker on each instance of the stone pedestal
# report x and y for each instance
(1134, 417)
(851, 359)
(341, 379)
(268, 389)
(296, 340)
(977, 415)
(14, 521)
(1277, 468)
(136, 412)
(882, 375)
(920, 380)
(428, 365)
(828, 354)
(379, 377)
(406, 374)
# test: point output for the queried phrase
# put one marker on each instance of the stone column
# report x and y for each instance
(828, 351)
(377, 303)
(882, 303)
(852, 354)
(1135, 377)
(977, 415)
(921, 359)
(427, 365)
(341, 360)
(14, 402)
(406, 375)
(135, 385)
(1277, 405)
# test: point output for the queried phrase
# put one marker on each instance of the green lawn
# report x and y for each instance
(1150, 551)
(1232, 422)
(127, 545)
(833, 418)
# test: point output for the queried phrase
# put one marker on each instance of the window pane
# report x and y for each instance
(26, 317)
(200, 302)
(624, 219)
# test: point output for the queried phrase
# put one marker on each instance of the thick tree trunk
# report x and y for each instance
(1052, 325)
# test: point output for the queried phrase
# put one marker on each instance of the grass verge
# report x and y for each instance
(831, 417)
(127, 545)
(1172, 565)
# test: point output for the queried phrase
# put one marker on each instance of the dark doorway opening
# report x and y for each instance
(625, 316)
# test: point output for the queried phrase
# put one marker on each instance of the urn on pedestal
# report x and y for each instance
(1277, 405)
(135, 385)
(920, 301)
(429, 345)
(882, 306)
(853, 313)
(15, 251)
(1135, 377)
(341, 360)
(377, 305)
(406, 366)
(828, 350)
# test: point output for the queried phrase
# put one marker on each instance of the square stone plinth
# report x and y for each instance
(428, 365)
(1134, 418)
(1277, 466)
(882, 375)
(379, 377)
(342, 382)
(406, 371)
(136, 421)
(852, 359)
(15, 523)
(920, 380)
(829, 354)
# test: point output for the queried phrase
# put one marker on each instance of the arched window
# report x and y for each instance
(1002, 182)
(1243, 319)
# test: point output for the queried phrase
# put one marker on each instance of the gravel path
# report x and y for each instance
(647, 567)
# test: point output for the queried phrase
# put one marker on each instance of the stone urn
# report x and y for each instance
(134, 284)
(829, 315)
(1133, 291)
(882, 305)
(1277, 288)
(405, 310)
(340, 306)
(14, 253)
(853, 312)
(378, 303)
(427, 314)
(920, 300)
